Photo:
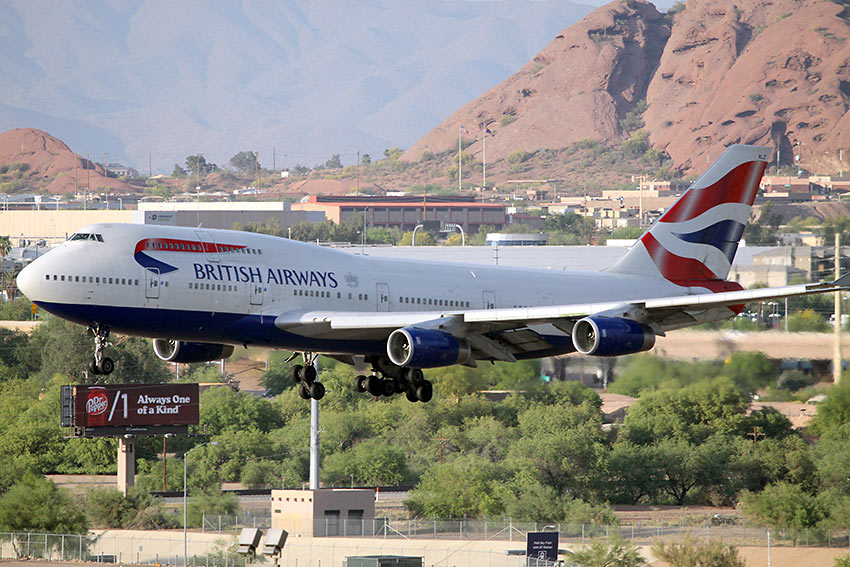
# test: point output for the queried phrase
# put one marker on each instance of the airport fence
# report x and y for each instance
(733, 532)
(497, 543)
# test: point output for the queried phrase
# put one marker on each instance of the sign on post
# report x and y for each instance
(541, 548)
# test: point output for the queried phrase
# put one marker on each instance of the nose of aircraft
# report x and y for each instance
(28, 280)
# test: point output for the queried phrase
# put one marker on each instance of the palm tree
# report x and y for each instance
(5, 248)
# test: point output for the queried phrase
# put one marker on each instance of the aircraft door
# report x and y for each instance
(383, 297)
(151, 283)
(257, 293)
(489, 300)
(209, 246)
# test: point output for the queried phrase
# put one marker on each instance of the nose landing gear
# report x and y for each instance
(100, 364)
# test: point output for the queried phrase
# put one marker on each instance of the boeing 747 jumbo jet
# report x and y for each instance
(198, 293)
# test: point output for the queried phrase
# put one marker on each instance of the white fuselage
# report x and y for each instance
(231, 287)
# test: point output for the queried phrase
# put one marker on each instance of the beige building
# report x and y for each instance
(324, 512)
(55, 226)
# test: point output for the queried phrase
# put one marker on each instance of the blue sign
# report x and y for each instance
(541, 547)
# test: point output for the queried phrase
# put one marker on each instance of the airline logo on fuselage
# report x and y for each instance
(253, 274)
(221, 272)
(148, 245)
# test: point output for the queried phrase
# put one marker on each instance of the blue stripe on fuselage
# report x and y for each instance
(201, 326)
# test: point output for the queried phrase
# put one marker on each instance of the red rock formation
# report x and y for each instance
(770, 72)
(578, 87)
(52, 161)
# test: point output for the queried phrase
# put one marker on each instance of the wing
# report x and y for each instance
(510, 334)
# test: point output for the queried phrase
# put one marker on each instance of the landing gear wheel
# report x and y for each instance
(106, 366)
(360, 384)
(373, 386)
(308, 374)
(416, 377)
(317, 390)
(387, 388)
(411, 396)
(303, 391)
(397, 387)
(425, 391)
(295, 372)
(93, 366)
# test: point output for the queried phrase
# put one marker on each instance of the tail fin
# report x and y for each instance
(695, 240)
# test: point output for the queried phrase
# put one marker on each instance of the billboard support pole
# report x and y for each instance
(314, 437)
(126, 464)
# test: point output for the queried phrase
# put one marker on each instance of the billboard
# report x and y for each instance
(129, 405)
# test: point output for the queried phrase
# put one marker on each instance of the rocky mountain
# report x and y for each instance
(303, 78)
(711, 73)
(40, 162)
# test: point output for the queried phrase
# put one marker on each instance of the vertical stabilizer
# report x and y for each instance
(695, 240)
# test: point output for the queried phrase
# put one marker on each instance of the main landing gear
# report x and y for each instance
(305, 376)
(409, 381)
(100, 364)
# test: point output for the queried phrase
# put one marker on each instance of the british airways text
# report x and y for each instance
(226, 273)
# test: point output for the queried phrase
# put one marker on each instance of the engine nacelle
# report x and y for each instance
(421, 348)
(182, 351)
(611, 336)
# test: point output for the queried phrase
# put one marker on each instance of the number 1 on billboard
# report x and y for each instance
(118, 395)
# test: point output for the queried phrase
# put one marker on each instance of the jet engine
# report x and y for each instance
(182, 351)
(421, 348)
(611, 336)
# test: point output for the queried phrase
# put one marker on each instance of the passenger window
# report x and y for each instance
(349, 296)
(47, 276)
(62, 278)
(97, 279)
(365, 297)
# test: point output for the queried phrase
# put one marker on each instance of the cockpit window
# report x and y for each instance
(86, 236)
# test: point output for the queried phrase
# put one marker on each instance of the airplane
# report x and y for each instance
(199, 292)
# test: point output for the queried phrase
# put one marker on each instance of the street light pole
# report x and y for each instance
(185, 532)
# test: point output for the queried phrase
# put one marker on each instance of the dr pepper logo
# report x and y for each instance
(96, 404)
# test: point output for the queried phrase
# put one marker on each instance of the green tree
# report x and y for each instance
(213, 502)
(423, 238)
(178, 171)
(261, 474)
(782, 505)
(834, 412)
(750, 370)
(616, 552)
(244, 162)
(690, 552)
(563, 447)
(464, 486)
(196, 164)
(224, 409)
(807, 321)
(842, 561)
(334, 162)
(393, 154)
(370, 463)
(36, 504)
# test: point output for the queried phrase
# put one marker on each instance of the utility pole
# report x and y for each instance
(441, 440)
(88, 181)
(836, 330)
(358, 171)
(150, 164)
